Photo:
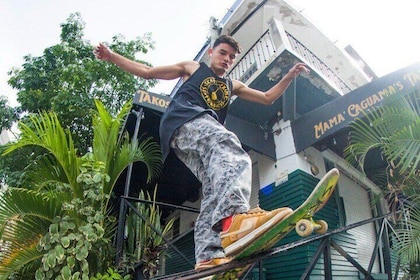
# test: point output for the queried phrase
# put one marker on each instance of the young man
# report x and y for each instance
(192, 127)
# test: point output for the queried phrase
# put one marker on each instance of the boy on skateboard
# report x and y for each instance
(192, 127)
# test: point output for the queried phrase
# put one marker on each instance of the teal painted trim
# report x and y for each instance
(174, 262)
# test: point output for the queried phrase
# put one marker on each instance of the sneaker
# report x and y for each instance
(211, 263)
(246, 227)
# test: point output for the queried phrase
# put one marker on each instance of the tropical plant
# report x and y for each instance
(8, 115)
(67, 78)
(145, 235)
(62, 229)
(394, 129)
(408, 245)
(110, 274)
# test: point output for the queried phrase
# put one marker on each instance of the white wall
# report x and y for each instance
(357, 205)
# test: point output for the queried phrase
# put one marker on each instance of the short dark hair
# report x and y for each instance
(228, 40)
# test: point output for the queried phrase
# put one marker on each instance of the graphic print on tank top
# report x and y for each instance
(215, 93)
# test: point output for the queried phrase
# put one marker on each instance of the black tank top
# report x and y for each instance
(203, 92)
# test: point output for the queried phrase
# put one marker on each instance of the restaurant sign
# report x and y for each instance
(338, 113)
(151, 100)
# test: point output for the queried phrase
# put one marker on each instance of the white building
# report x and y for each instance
(293, 142)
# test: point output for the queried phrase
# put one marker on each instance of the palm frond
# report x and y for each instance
(149, 153)
(20, 260)
(409, 239)
(404, 148)
(46, 132)
(364, 138)
(25, 216)
(115, 149)
(393, 128)
(106, 131)
(45, 171)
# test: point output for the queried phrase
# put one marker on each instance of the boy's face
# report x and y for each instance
(221, 58)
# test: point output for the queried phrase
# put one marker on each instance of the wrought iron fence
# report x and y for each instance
(254, 58)
(315, 62)
(264, 49)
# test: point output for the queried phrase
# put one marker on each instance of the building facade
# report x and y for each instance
(293, 143)
(274, 36)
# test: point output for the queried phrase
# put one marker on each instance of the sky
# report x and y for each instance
(383, 32)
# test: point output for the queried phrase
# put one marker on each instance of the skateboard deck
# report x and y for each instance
(301, 219)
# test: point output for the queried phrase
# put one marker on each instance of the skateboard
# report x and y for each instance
(300, 219)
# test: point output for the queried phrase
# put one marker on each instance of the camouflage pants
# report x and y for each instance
(216, 158)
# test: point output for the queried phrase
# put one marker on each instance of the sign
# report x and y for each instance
(154, 101)
(340, 112)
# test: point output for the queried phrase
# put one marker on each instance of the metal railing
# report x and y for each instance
(326, 244)
(254, 58)
(264, 49)
(316, 63)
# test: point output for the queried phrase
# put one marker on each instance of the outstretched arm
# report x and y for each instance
(271, 95)
(179, 70)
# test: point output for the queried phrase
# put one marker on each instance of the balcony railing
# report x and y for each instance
(316, 63)
(254, 59)
(264, 49)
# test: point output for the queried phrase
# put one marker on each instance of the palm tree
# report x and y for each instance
(394, 129)
(63, 228)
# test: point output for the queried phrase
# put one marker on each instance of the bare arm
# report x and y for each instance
(271, 95)
(169, 72)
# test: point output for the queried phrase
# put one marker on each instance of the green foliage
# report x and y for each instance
(62, 230)
(145, 242)
(67, 78)
(408, 244)
(8, 115)
(110, 274)
(57, 223)
(394, 129)
(71, 248)
(13, 167)
(116, 157)
(24, 216)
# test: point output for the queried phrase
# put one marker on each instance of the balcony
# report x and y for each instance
(255, 58)
(263, 51)
(263, 65)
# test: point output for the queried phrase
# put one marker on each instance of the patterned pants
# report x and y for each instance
(215, 156)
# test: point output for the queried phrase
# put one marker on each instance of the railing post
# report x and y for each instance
(387, 252)
(123, 206)
(120, 232)
(327, 261)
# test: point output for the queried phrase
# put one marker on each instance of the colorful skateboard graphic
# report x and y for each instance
(301, 219)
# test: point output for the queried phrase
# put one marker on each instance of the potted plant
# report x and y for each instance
(145, 244)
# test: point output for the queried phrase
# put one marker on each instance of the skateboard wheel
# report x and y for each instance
(304, 227)
(322, 227)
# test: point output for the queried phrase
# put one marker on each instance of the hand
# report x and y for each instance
(297, 69)
(102, 52)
